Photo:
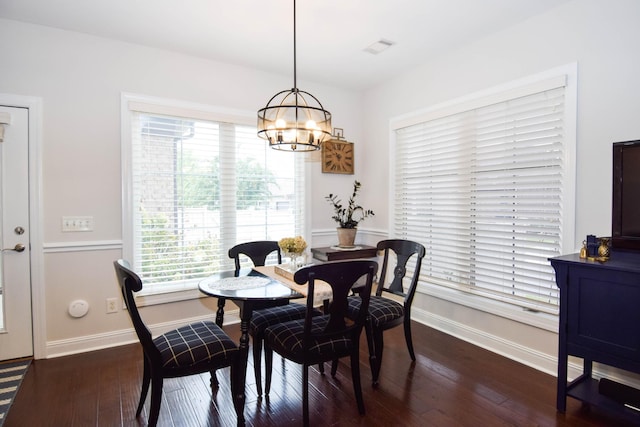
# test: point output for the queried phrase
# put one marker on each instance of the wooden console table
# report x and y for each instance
(335, 254)
(599, 321)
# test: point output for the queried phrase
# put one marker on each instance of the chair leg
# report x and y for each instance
(376, 362)
(355, 377)
(220, 312)
(146, 380)
(257, 362)
(305, 395)
(156, 399)
(334, 367)
(238, 402)
(268, 367)
(214, 381)
(407, 336)
(371, 344)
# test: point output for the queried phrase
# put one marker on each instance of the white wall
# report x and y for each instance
(80, 79)
(603, 37)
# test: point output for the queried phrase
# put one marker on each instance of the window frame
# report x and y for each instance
(177, 108)
(479, 99)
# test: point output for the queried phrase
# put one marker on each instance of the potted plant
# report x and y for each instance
(348, 216)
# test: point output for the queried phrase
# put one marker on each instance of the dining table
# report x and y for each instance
(262, 287)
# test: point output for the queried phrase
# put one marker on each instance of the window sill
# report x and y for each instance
(545, 321)
(180, 291)
(168, 297)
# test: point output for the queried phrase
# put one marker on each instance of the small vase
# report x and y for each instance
(346, 237)
(603, 249)
(296, 260)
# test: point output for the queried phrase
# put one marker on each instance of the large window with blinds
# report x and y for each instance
(486, 185)
(198, 182)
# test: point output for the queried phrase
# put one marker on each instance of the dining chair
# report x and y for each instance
(318, 339)
(258, 252)
(188, 350)
(386, 313)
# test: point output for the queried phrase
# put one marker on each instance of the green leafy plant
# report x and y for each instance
(348, 216)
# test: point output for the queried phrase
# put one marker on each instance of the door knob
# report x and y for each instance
(18, 248)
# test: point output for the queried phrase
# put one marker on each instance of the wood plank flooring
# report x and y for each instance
(452, 383)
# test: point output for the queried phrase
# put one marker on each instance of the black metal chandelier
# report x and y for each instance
(294, 120)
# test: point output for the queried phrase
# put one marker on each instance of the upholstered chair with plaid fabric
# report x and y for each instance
(189, 350)
(258, 252)
(318, 339)
(386, 313)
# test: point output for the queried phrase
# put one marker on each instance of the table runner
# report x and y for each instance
(322, 289)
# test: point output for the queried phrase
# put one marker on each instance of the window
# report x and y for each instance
(487, 186)
(198, 182)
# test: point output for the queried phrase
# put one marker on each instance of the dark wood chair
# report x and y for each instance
(317, 339)
(192, 349)
(385, 313)
(258, 252)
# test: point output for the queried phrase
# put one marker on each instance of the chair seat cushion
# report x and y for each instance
(272, 315)
(381, 310)
(195, 343)
(286, 339)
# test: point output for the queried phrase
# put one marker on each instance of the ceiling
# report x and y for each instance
(331, 34)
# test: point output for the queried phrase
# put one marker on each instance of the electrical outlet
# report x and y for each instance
(112, 305)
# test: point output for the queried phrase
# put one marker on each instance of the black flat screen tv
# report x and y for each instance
(625, 218)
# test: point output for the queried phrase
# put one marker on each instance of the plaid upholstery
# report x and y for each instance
(286, 338)
(381, 310)
(272, 315)
(193, 344)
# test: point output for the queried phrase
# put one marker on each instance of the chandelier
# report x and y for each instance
(294, 120)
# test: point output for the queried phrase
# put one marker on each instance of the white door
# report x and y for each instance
(16, 333)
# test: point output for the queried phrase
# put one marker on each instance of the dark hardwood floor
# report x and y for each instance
(452, 383)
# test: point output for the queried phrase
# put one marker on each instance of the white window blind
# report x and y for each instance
(199, 186)
(482, 189)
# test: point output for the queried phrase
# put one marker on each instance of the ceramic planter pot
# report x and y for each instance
(346, 237)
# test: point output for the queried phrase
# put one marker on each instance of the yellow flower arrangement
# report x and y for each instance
(293, 245)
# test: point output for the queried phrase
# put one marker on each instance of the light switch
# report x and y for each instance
(77, 223)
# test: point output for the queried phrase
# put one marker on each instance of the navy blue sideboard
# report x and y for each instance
(599, 322)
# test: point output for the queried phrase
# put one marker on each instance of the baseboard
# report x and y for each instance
(527, 356)
(530, 357)
(87, 343)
